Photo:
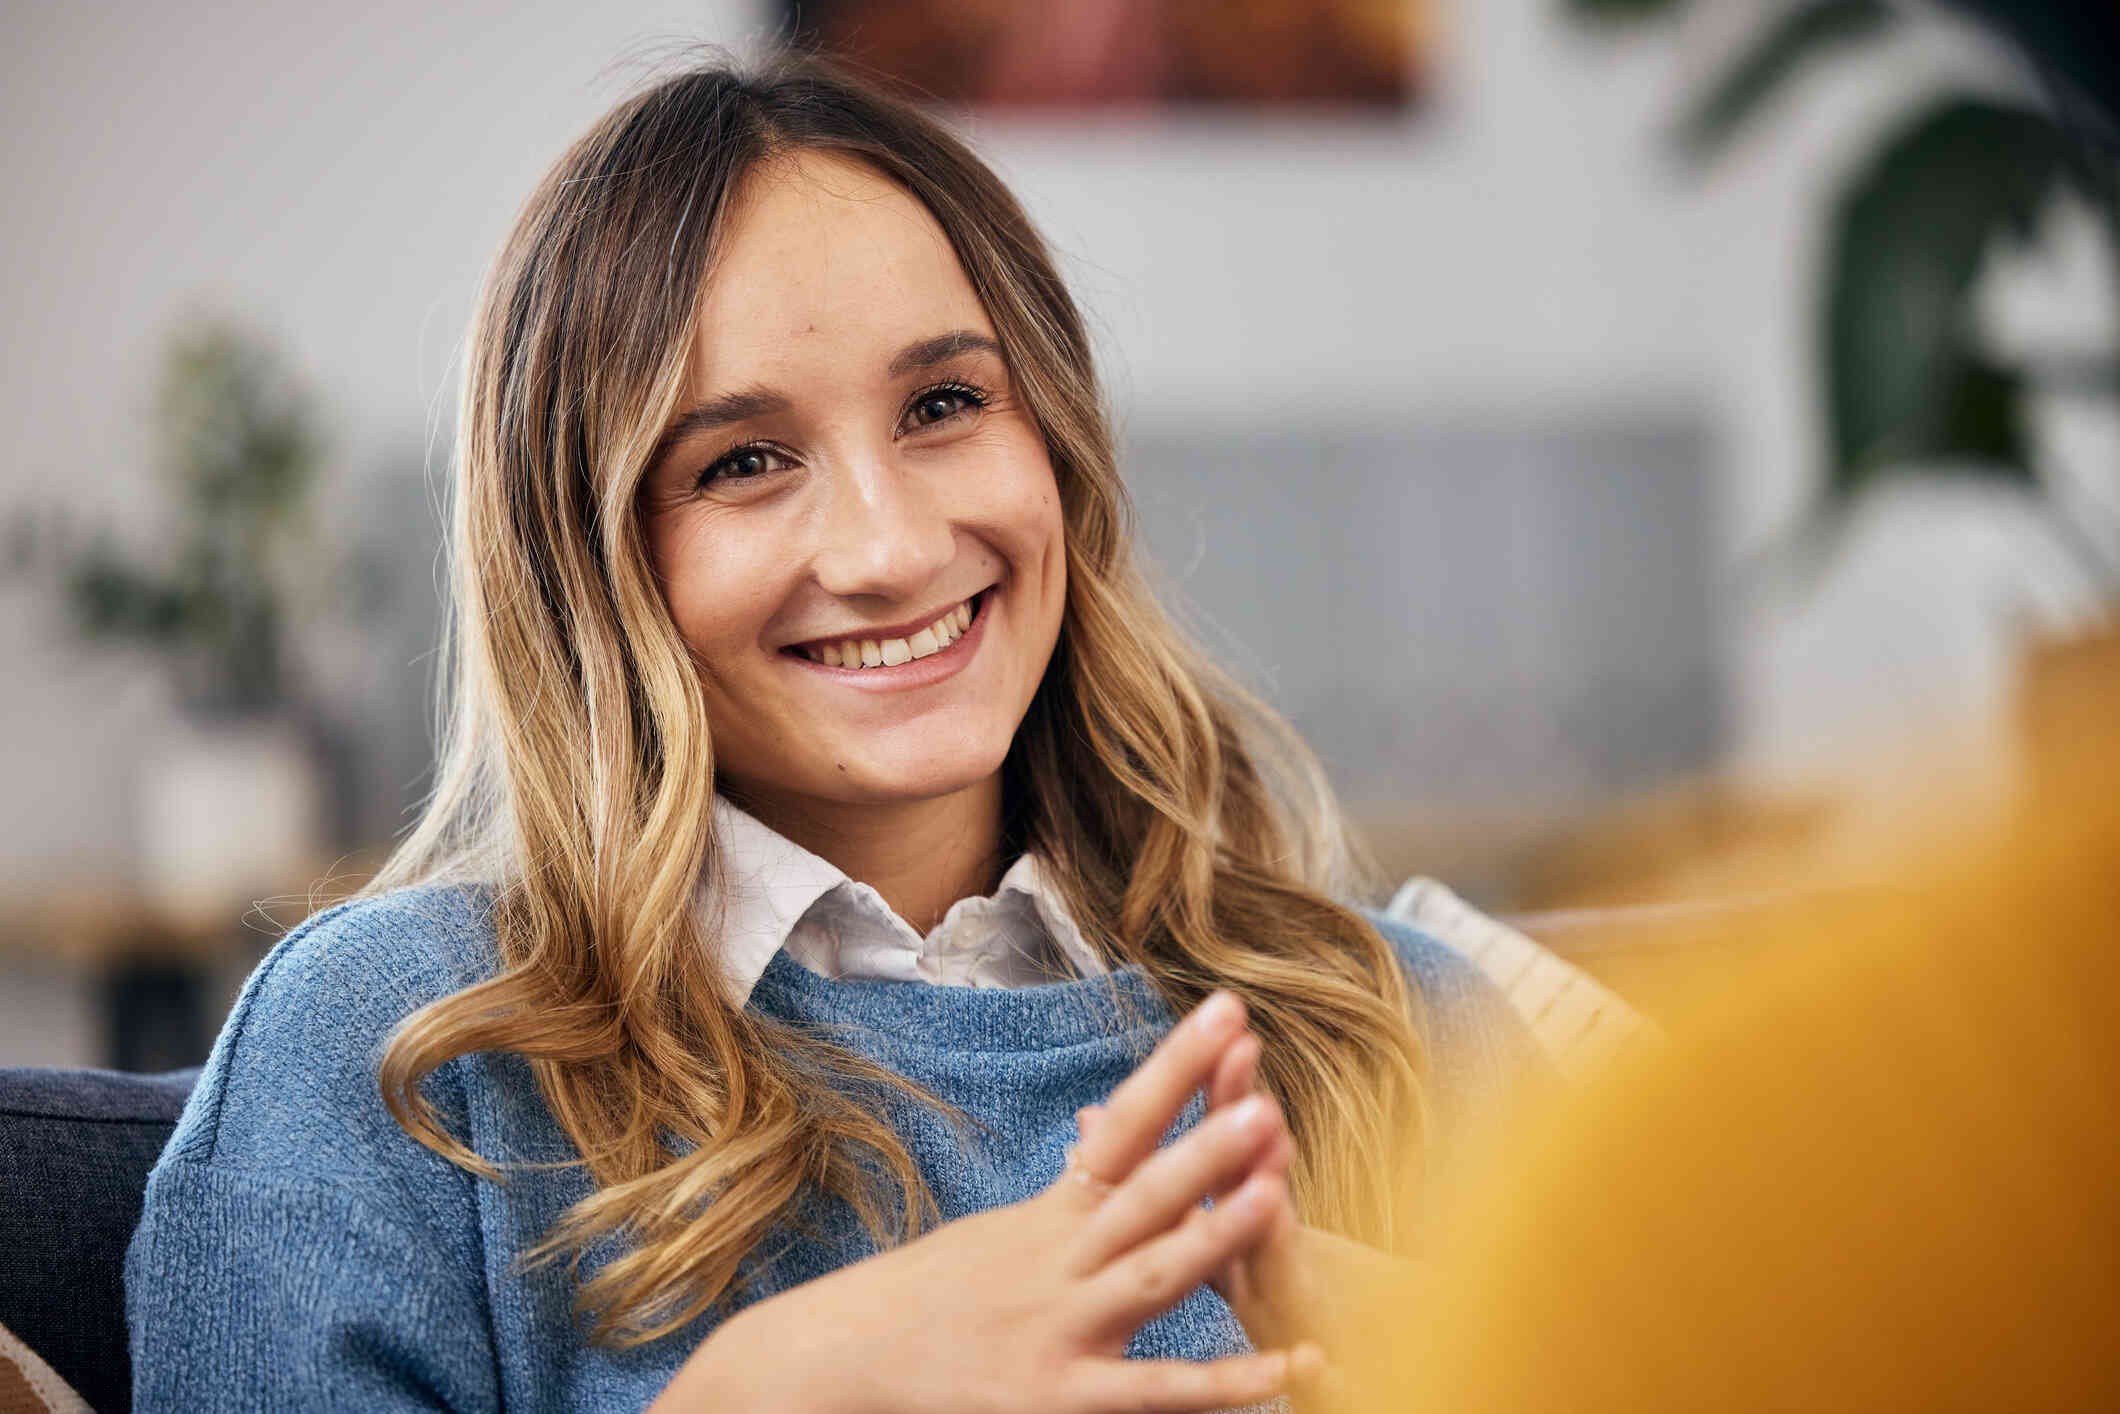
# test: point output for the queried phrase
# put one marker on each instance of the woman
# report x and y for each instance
(828, 815)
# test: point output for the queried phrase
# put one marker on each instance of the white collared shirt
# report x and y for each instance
(780, 895)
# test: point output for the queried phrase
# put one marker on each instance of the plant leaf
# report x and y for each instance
(1796, 37)
(1906, 242)
(108, 598)
(1975, 423)
(2072, 45)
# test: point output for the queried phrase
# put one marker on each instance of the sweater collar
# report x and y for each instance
(769, 883)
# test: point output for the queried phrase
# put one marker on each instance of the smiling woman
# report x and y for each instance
(828, 816)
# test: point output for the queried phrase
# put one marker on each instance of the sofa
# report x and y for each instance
(75, 1148)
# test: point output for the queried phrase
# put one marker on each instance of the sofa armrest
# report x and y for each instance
(75, 1150)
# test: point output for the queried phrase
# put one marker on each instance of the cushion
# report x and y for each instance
(1581, 1023)
(75, 1148)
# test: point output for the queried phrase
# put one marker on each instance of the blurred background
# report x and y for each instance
(1608, 428)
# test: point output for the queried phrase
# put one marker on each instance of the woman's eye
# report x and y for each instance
(940, 404)
(743, 464)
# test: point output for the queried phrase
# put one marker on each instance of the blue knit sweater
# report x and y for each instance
(298, 1250)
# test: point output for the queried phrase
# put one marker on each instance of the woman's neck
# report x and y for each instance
(921, 855)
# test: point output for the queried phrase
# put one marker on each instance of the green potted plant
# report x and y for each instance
(1908, 385)
(232, 802)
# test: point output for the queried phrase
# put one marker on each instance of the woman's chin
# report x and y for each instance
(933, 771)
(905, 784)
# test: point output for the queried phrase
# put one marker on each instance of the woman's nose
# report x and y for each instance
(883, 532)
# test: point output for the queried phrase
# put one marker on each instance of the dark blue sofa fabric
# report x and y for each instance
(75, 1148)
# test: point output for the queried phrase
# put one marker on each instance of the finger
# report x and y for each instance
(1277, 1160)
(1236, 1077)
(1263, 1271)
(1237, 1074)
(1154, 1276)
(1307, 1362)
(1316, 1385)
(1213, 1158)
(1283, 1151)
(1148, 1101)
(1265, 1286)
(1170, 1386)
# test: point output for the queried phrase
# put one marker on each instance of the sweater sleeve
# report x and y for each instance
(248, 1291)
(297, 1249)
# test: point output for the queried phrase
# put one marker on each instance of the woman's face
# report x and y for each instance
(852, 481)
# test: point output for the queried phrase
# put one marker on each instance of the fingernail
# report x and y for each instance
(1247, 1112)
(1216, 1011)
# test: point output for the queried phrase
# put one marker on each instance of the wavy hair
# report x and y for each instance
(1189, 830)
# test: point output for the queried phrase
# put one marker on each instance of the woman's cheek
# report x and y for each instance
(724, 612)
(716, 575)
(1024, 505)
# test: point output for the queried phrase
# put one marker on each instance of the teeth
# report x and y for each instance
(890, 652)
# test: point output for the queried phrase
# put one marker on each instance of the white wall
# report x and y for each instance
(1522, 248)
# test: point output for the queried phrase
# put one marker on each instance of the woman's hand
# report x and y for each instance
(1269, 1285)
(1031, 1306)
(1301, 1287)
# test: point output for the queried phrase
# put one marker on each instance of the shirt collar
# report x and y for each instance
(769, 882)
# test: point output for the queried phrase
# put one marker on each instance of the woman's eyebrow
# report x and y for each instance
(926, 353)
(739, 406)
(748, 403)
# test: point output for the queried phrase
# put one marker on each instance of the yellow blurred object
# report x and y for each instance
(1877, 1169)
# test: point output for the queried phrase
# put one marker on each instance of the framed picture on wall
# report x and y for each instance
(1100, 54)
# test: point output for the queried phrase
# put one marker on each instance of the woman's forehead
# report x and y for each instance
(824, 255)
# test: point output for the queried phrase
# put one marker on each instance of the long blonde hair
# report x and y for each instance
(1190, 832)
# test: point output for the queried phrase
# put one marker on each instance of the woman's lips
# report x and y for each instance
(891, 648)
(912, 666)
